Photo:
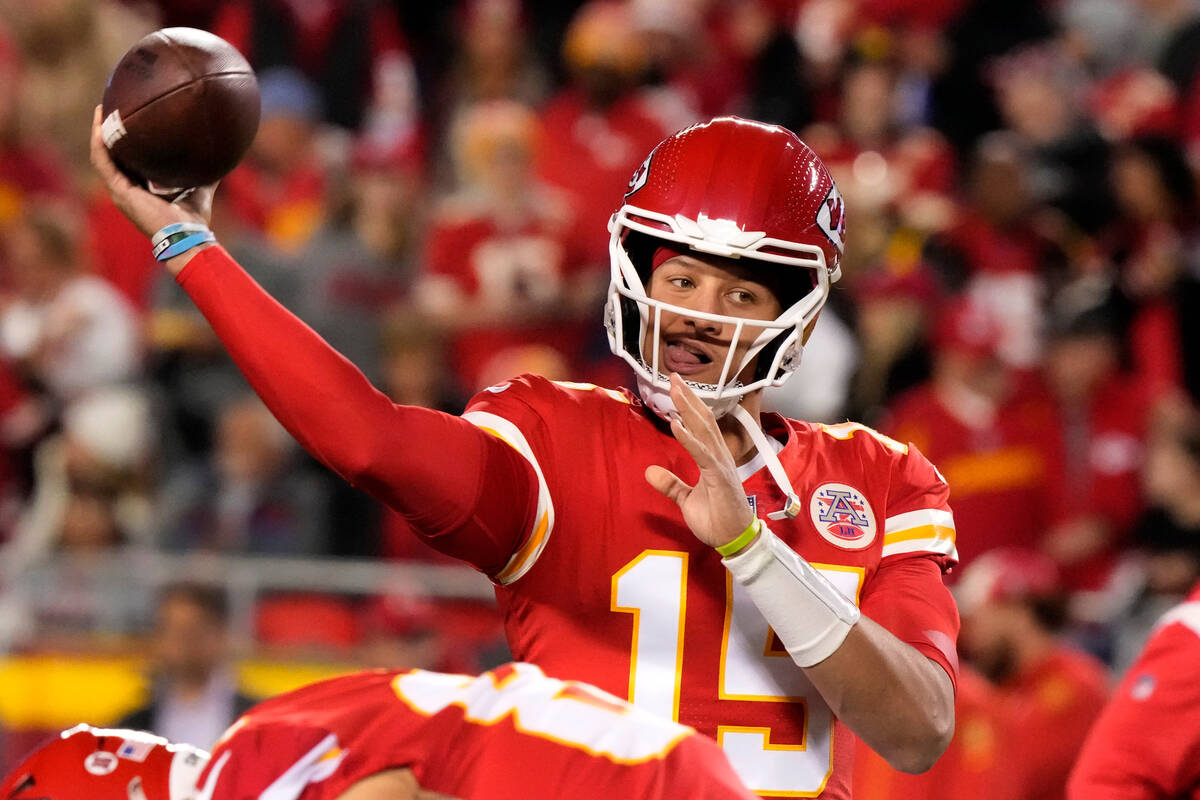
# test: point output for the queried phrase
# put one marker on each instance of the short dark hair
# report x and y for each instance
(209, 599)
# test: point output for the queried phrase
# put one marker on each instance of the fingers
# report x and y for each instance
(102, 161)
(693, 409)
(698, 421)
(668, 483)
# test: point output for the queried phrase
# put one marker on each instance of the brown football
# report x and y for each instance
(180, 109)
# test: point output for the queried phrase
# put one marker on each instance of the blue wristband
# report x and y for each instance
(184, 244)
(179, 237)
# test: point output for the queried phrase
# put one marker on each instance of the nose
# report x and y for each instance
(707, 302)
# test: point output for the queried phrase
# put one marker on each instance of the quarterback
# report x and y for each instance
(773, 583)
(509, 734)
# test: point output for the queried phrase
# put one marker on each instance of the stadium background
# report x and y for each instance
(429, 190)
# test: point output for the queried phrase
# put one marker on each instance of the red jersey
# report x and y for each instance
(1146, 743)
(999, 472)
(470, 254)
(612, 588)
(974, 765)
(1053, 704)
(541, 486)
(509, 733)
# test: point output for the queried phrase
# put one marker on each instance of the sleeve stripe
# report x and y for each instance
(523, 559)
(1186, 614)
(943, 547)
(931, 532)
(917, 519)
(528, 553)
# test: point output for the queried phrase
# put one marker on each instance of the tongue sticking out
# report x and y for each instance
(684, 356)
(685, 361)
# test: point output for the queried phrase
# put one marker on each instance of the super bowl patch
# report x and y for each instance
(842, 515)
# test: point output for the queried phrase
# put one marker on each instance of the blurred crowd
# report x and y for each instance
(429, 190)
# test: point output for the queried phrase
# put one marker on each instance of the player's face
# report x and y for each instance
(696, 348)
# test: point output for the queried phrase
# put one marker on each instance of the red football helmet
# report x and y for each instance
(739, 189)
(86, 763)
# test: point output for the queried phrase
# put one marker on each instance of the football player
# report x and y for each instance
(1146, 743)
(771, 582)
(387, 735)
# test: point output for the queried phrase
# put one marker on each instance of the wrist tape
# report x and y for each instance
(808, 613)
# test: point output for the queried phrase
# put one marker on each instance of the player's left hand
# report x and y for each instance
(147, 211)
(715, 508)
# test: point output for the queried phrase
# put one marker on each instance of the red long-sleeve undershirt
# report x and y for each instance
(464, 491)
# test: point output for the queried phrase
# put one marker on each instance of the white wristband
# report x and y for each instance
(810, 616)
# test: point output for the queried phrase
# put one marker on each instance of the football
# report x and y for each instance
(180, 110)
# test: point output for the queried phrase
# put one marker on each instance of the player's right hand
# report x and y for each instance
(147, 211)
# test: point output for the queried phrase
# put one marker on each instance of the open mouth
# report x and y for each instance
(684, 356)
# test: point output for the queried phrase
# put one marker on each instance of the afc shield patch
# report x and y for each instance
(842, 515)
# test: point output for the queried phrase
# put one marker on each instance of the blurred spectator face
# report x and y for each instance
(384, 204)
(190, 642)
(989, 635)
(1076, 364)
(493, 33)
(867, 103)
(999, 190)
(283, 140)
(889, 325)
(604, 51)
(40, 253)
(1138, 187)
(50, 28)
(1171, 474)
(89, 524)
(290, 114)
(1035, 97)
(967, 351)
(996, 596)
(251, 445)
(494, 145)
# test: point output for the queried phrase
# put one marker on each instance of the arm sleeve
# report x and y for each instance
(468, 493)
(1146, 743)
(908, 598)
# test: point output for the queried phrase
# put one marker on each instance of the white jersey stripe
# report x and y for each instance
(543, 521)
(916, 519)
(1186, 614)
(941, 546)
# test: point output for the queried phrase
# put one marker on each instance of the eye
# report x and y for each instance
(742, 296)
(681, 282)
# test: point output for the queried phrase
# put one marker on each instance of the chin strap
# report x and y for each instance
(791, 508)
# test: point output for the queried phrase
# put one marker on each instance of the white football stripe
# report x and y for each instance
(511, 434)
(915, 519)
(1186, 614)
(942, 546)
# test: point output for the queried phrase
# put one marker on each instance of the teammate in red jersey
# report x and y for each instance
(392, 735)
(597, 513)
(1146, 743)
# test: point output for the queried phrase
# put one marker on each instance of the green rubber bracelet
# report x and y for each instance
(743, 539)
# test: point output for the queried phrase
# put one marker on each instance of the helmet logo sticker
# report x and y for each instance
(101, 762)
(831, 217)
(640, 175)
(842, 515)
